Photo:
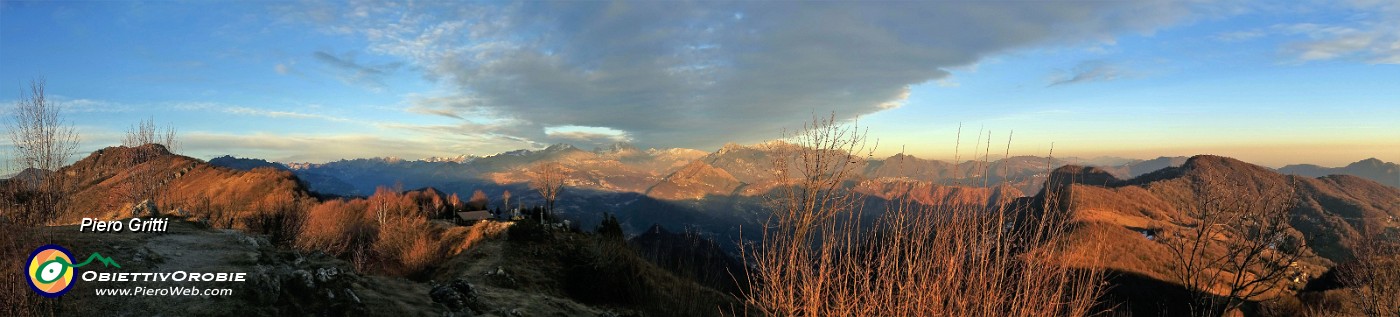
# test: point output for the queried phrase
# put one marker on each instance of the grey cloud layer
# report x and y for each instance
(701, 74)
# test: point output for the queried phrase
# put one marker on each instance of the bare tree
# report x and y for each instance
(43, 142)
(505, 199)
(147, 142)
(146, 132)
(478, 201)
(548, 179)
(1375, 276)
(1238, 248)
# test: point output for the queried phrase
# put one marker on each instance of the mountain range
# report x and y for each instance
(719, 194)
(663, 173)
(723, 191)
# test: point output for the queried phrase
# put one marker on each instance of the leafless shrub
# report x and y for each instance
(1237, 247)
(146, 132)
(147, 143)
(1375, 276)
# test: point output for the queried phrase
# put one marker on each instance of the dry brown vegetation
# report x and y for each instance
(16, 299)
(816, 258)
(389, 232)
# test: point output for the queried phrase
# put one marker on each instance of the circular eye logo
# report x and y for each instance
(50, 270)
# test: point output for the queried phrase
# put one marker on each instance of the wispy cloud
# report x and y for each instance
(247, 111)
(75, 105)
(451, 106)
(1372, 35)
(288, 68)
(1088, 71)
(1240, 36)
(346, 69)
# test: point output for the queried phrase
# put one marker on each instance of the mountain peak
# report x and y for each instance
(618, 147)
(560, 147)
(1089, 175)
(1370, 162)
(1213, 161)
(457, 159)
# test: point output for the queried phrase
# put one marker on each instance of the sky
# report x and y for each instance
(1269, 82)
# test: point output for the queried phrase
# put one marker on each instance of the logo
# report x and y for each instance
(51, 269)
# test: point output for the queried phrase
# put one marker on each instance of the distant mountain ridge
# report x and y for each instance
(1373, 169)
(320, 183)
(622, 167)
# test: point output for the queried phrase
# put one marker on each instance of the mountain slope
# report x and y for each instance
(104, 185)
(695, 181)
(1330, 211)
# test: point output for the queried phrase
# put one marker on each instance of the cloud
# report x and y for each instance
(586, 136)
(347, 70)
(286, 68)
(452, 106)
(1240, 36)
(705, 73)
(246, 111)
(1088, 71)
(73, 105)
(1371, 34)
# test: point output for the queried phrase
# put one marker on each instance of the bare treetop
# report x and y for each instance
(42, 139)
(548, 179)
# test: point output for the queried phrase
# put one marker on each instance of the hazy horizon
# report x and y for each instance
(1271, 84)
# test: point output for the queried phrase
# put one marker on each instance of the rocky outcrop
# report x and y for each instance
(458, 296)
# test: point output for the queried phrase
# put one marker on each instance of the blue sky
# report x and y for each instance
(1267, 82)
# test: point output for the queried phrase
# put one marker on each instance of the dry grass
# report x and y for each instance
(458, 239)
(16, 299)
(389, 232)
(817, 258)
